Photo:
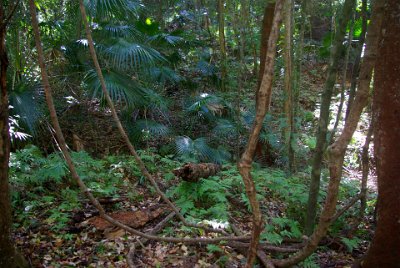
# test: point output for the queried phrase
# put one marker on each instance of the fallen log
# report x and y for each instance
(194, 172)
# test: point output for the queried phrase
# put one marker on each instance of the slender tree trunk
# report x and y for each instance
(221, 39)
(244, 166)
(356, 66)
(288, 81)
(9, 257)
(298, 69)
(365, 173)
(385, 246)
(343, 87)
(337, 150)
(265, 32)
(264, 150)
(324, 115)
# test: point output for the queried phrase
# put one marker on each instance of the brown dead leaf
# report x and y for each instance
(134, 219)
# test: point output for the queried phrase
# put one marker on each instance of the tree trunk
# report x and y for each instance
(9, 257)
(265, 32)
(221, 39)
(264, 150)
(365, 173)
(244, 165)
(324, 115)
(288, 81)
(343, 87)
(337, 150)
(385, 247)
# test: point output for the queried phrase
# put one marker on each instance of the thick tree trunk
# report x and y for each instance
(9, 257)
(324, 115)
(7, 251)
(244, 165)
(385, 247)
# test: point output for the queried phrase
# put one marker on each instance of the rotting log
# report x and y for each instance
(194, 172)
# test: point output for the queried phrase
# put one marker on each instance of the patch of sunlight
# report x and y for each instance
(216, 224)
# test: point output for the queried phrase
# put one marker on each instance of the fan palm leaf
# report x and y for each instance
(125, 55)
(121, 88)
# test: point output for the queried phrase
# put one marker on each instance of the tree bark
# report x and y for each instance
(221, 39)
(324, 115)
(244, 165)
(337, 150)
(288, 89)
(365, 173)
(9, 257)
(263, 151)
(265, 32)
(385, 246)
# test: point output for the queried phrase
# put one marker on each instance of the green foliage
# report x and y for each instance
(279, 228)
(352, 243)
(206, 198)
(310, 262)
(199, 151)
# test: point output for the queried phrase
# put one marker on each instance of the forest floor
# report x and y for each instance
(87, 242)
(83, 240)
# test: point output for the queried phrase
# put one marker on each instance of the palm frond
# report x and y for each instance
(225, 128)
(148, 128)
(164, 74)
(121, 88)
(199, 149)
(119, 30)
(124, 55)
(26, 100)
(111, 8)
(164, 38)
(206, 69)
(207, 105)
